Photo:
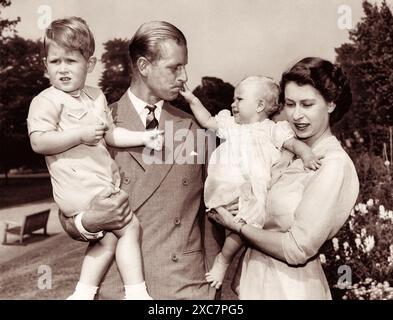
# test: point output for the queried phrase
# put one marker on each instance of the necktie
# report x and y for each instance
(151, 121)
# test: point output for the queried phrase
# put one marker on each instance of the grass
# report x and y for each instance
(24, 190)
(20, 277)
(62, 257)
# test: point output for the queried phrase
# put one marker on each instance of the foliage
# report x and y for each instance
(116, 76)
(365, 244)
(22, 78)
(215, 94)
(6, 25)
(368, 61)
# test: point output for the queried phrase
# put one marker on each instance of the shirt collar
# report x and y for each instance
(140, 105)
(77, 95)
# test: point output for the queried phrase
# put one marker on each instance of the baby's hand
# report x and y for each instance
(187, 94)
(312, 161)
(153, 139)
(91, 135)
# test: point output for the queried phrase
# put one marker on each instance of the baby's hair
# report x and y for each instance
(270, 90)
(71, 33)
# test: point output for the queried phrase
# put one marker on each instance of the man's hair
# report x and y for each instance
(146, 40)
(71, 33)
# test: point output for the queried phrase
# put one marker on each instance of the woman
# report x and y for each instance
(304, 208)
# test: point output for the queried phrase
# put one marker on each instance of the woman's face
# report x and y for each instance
(307, 112)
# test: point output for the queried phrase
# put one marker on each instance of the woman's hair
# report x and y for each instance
(146, 41)
(327, 78)
(71, 33)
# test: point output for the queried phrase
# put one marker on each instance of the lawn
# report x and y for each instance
(24, 190)
(21, 277)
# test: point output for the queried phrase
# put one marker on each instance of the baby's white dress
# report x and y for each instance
(240, 166)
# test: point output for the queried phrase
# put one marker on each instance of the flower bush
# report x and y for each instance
(364, 246)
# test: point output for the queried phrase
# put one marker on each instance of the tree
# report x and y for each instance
(368, 62)
(21, 78)
(6, 25)
(116, 76)
(215, 94)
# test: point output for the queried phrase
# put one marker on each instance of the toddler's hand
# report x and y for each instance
(153, 139)
(187, 94)
(91, 135)
(312, 162)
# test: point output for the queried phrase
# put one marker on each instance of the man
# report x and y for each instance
(166, 198)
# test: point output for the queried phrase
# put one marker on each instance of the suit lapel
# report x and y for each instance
(127, 117)
(156, 173)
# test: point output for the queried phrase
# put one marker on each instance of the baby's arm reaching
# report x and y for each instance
(202, 115)
(53, 142)
(123, 138)
(310, 160)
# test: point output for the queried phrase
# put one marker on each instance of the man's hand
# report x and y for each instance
(108, 211)
(91, 135)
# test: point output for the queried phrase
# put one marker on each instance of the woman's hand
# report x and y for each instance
(224, 217)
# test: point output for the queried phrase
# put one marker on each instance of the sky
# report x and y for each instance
(228, 39)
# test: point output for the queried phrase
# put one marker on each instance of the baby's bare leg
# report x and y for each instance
(128, 253)
(233, 243)
(129, 261)
(99, 255)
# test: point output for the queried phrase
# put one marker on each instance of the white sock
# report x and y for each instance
(83, 292)
(136, 292)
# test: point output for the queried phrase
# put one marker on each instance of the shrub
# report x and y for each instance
(365, 245)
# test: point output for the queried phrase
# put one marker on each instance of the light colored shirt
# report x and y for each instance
(79, 173)
(140, 107)
(308, 208)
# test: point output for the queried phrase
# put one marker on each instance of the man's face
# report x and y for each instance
(166, 75)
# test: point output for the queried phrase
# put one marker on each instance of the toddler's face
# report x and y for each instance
(245, 104)
(67, 69)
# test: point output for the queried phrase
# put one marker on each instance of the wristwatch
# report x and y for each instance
(83, 232)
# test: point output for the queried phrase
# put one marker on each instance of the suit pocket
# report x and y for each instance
(191, 252)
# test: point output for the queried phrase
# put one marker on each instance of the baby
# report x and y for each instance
(239, 169)
(71, 124)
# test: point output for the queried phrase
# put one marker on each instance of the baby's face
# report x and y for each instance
(245, 104)
(67, 69)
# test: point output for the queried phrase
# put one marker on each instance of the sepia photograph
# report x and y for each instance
(217, 150)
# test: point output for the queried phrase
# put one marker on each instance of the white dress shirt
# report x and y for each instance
(141, 109)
